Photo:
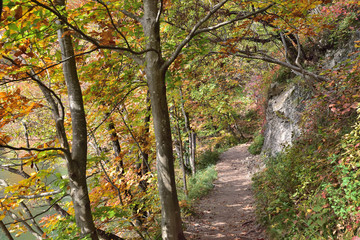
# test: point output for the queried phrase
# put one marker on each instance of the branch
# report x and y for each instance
(46, 68)
(40, 195)
(285, 47)
(118, 193)
(195, 31)
(160, 10)
(130, 15)
(267, 58)
(32, 220)
(297, 61)
(238, 18)
(33, 149)
(191, 34)
(113, 23)
(42, 212)
(26, 225)
(15, 171)
(113, 110)
(137, 143)
(87, 37)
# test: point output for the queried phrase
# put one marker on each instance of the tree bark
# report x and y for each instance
(76, 163)
(180, 150)
(192, 136)
(171, 226)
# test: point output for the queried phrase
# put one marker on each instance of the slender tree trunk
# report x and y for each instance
(192, 136)
(76, 163)
(180, 151)
(171, 222)
(190, 132)
(145, 164)
(115, 144)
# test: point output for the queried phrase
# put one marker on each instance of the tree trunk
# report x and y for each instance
(192, 136)
(115, 143)
(190, 133)
(76, 163)
(180, 150)
(171, 226)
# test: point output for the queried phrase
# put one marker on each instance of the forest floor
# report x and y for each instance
(228, 212)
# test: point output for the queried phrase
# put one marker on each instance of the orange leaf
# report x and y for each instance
(18, 13)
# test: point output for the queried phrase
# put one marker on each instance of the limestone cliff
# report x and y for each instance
(287, 102)
(283, 117)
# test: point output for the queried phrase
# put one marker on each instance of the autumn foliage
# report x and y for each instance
(210, 90)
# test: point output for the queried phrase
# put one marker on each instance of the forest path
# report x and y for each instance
(228, 212)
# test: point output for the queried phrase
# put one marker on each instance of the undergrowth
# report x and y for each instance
(256, 146)
(201, 183)
(312, 190)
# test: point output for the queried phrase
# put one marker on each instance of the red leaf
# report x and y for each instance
(355, 105)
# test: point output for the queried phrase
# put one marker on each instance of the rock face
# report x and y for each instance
(283, 116)
(343, 53)
(286, 103)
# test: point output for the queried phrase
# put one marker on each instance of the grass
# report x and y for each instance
(201, 183)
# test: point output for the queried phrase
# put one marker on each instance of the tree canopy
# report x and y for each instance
(96, 94)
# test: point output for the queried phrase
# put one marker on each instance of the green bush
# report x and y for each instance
(312, 190)
(200, 184)
(255, 147)
(208, 158)
(289, 200)
(283, 75)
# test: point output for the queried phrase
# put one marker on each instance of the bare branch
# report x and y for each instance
(238, 18)
(285, 48)
(195, 30)
(297, 61)
(15, 171)
(33, 149)
(118, 193)
(267, 58)
(26, 225)
(32, 220)
(192, 34)
(40, 195)
(43, 69)
(130, 15)
(137, 142)
(160, 10)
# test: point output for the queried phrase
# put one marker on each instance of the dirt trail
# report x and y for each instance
(227, 213)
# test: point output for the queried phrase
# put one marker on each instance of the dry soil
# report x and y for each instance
(227, 213)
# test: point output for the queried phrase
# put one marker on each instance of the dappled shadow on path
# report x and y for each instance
(227, 213)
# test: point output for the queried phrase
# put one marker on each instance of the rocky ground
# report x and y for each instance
(227, 213)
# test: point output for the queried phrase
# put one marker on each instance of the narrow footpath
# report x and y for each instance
(228, 212)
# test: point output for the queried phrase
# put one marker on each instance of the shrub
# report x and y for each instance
(208, 158)
(255, 147)
(200, 184)
(312, 190)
